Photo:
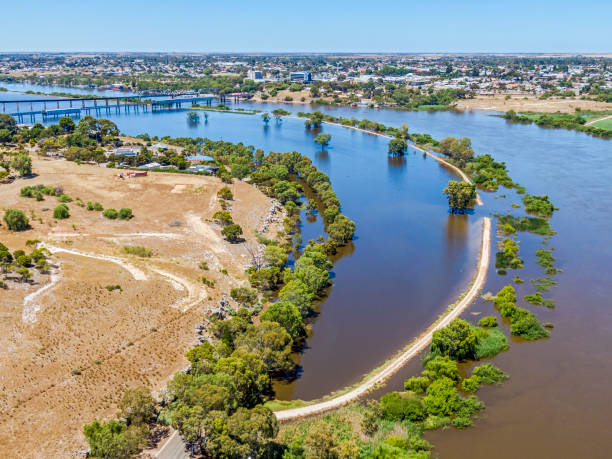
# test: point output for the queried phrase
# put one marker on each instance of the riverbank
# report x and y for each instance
(411, 351)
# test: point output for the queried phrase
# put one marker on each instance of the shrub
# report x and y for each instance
(489, 374)
(16, 220)
(125, 213)
(137, 250)
(94, 206)
(111, 214)
(244, 295)
(490, 343)
(398, 406)
(539, 205)
(416, 384)
(61, 212)
(232, 232)
(458, 340)
(225, 193)
(488, 321)
(470, 384)
(64, 198)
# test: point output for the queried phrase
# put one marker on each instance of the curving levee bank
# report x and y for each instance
(412, 350)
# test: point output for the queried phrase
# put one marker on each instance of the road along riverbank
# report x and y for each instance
(392, 366)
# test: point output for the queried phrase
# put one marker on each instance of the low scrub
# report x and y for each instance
(137, 250)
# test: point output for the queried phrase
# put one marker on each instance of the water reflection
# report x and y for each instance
(398, 163)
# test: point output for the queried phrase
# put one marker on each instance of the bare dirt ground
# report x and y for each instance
(296, 96)
(68, 346)
(530, 104)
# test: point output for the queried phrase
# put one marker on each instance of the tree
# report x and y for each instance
(253, 428)
(114, 440)
(5, 136)
(341, 230)
(442, 398)
(441, 367)
(8, 122)
(16, 220)
(397, 147)
(22, 164)
(287, 316)
(297, 293)
(457, 341)
(225, 193)
(61, 212)
(266, 118)
(403, 134)
(275, 256)
(398, 406)
(323, 140)
(223, 218)
(137, 406)
(460, 195)
(232, 232)
(244, 295)
(67, 124)
(271, 343)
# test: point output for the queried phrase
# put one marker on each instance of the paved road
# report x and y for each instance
(173, 449)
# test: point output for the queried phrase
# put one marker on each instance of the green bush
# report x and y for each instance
(64, 198)
(16, 220)
(397, 406)
(488, 321)
(94, 206)
(489, 374)
(470, 384)
(111, 214)
(61, 212)
(490, 343)
(232, 232)
(125, 213)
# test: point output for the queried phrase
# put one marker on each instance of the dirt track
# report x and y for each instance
(68, 346)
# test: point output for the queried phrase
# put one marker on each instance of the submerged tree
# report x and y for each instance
(460, 195)
(323, 140)
(397, 147)
(266, 118)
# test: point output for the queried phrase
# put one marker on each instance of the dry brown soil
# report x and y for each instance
(530, 104)
(119, 339)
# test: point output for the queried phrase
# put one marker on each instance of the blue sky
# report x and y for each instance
(311, 26)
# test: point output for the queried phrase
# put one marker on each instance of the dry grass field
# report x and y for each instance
(530, 104)
(69, 346)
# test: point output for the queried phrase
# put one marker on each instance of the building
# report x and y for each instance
(196, 158)
(300, 77)
(128, 152)
(254, 75)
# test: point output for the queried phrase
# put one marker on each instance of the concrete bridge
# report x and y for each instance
(98, 105)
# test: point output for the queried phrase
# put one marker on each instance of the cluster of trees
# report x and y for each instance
(574, 122)
(523, 322)
(487, 174)
(21, 263)
(508, 257)
(459, 150)
(393, 426)
(127, 435)
(539, 205)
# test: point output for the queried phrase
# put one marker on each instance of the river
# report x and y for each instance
(411, 258)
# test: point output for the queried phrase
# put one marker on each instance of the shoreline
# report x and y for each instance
(390, 367)
(411, 351)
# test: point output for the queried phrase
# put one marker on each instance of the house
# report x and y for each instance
(153, 165)
(196, 158)
(124, 151)
(203, 168)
